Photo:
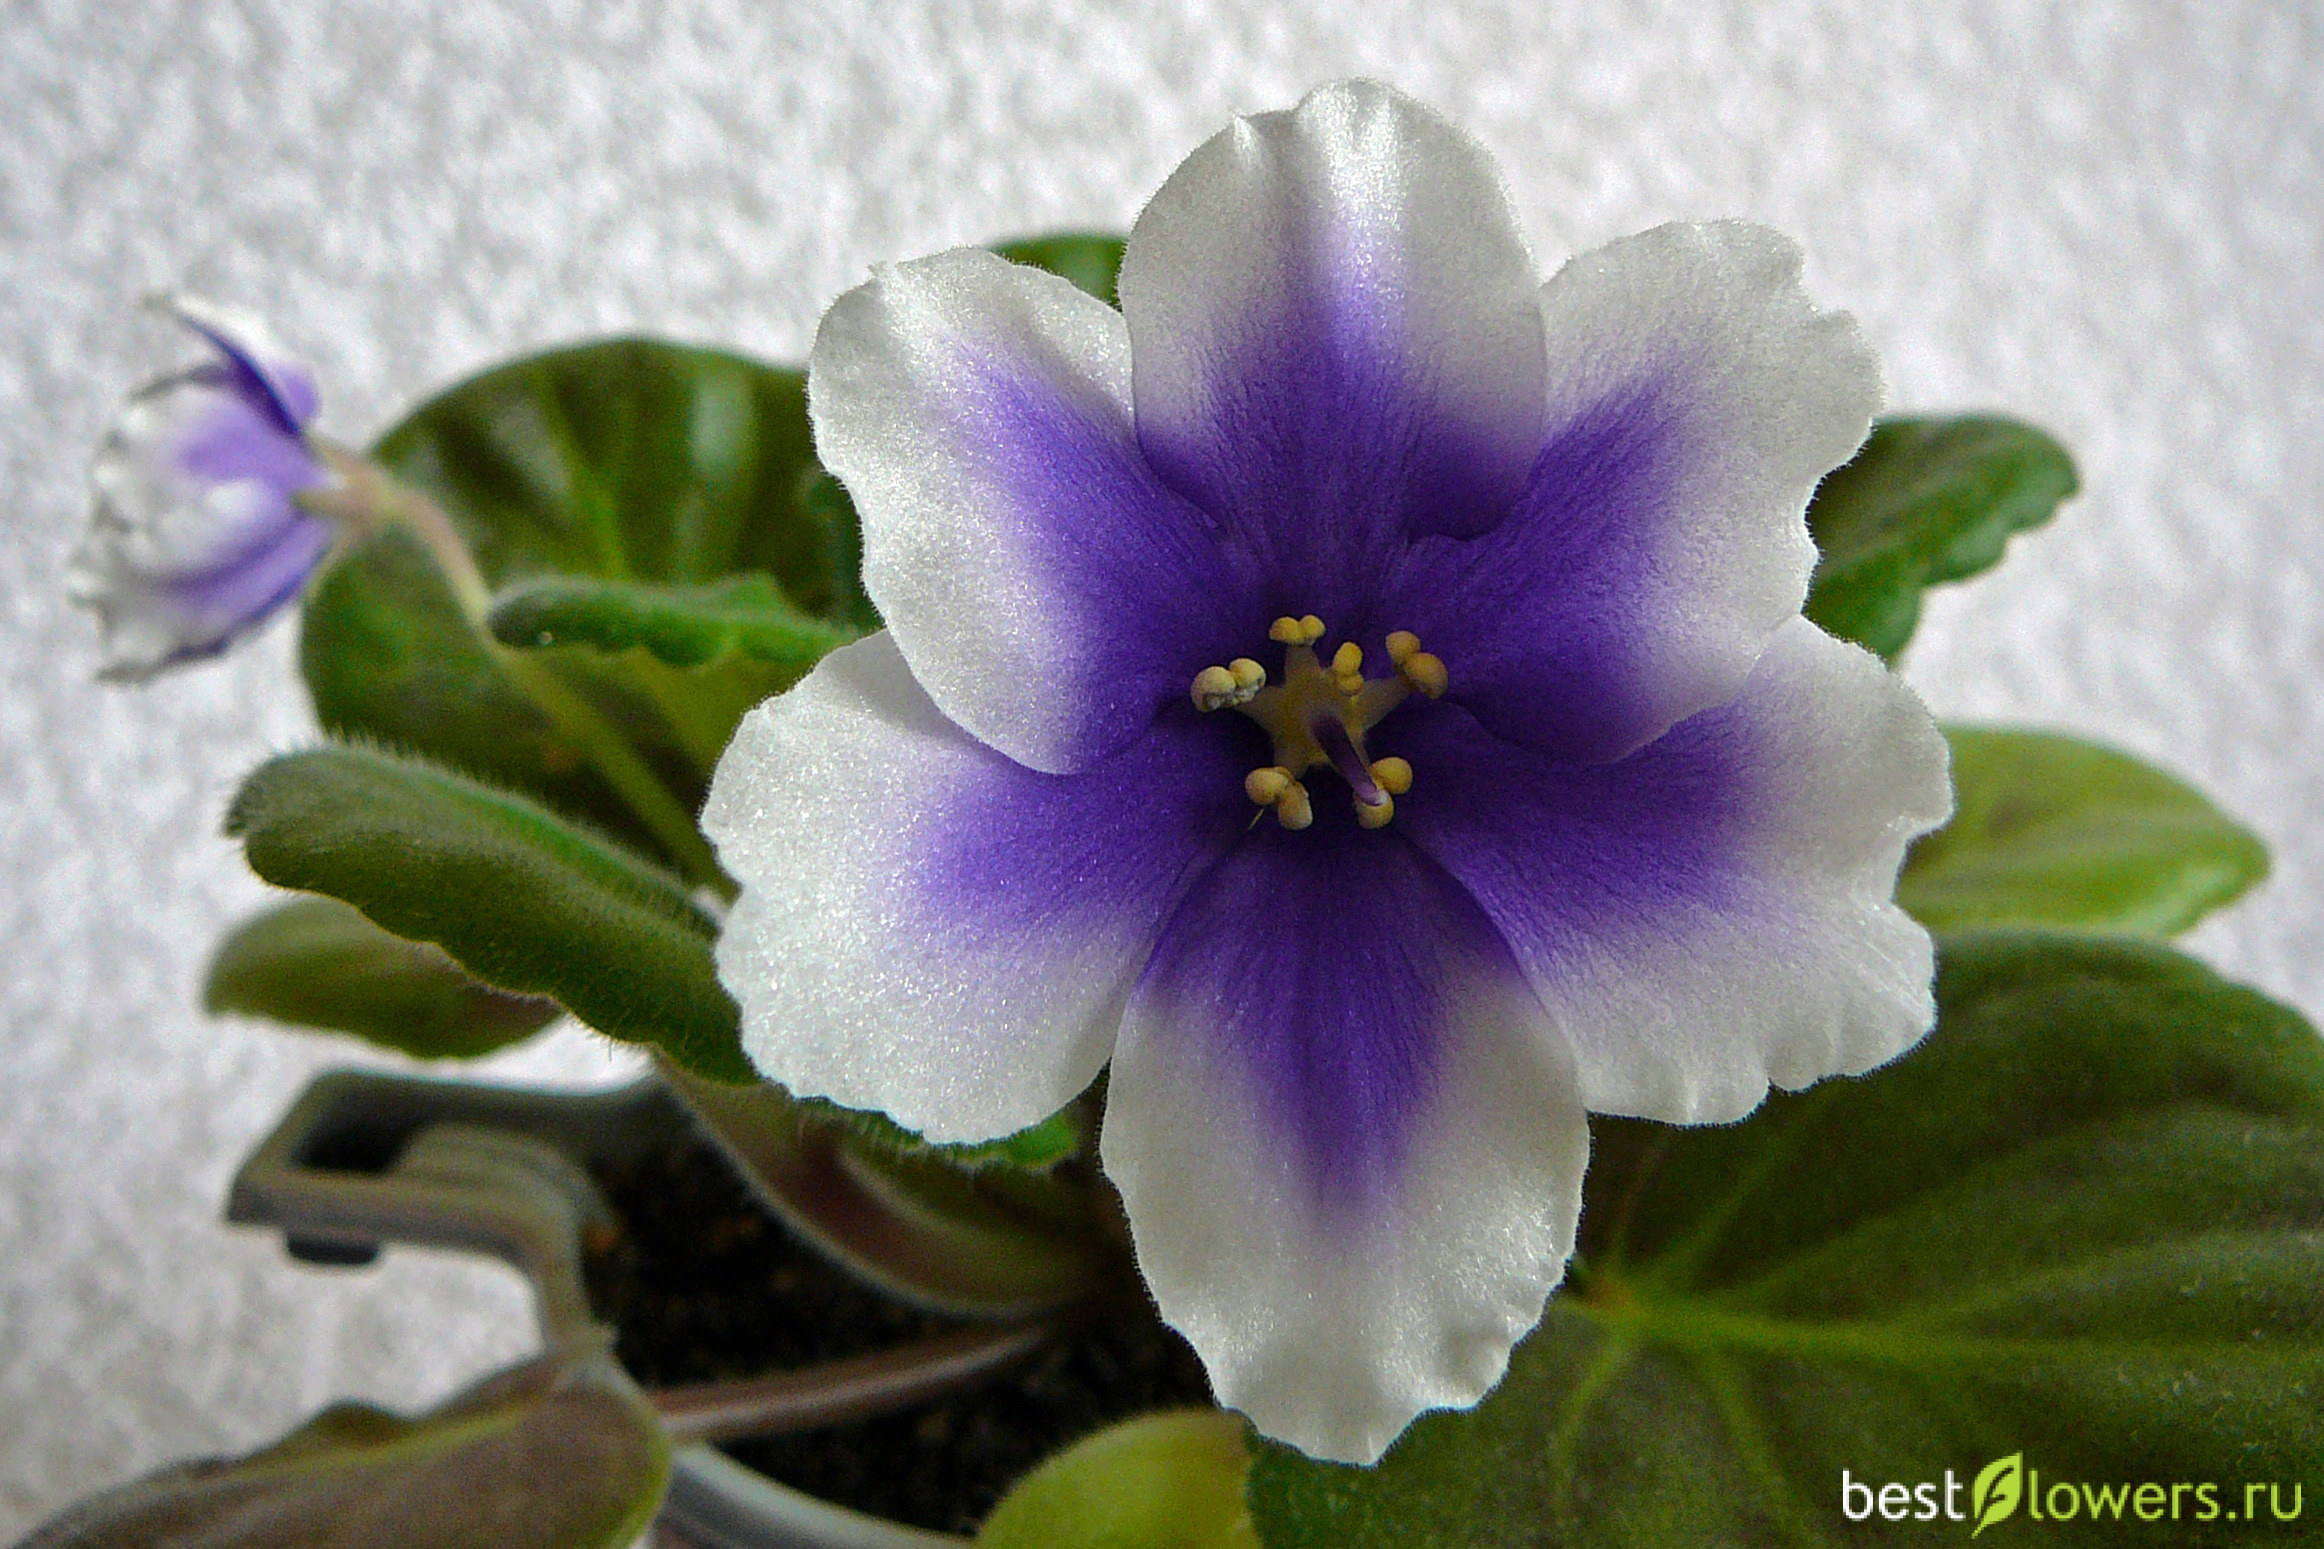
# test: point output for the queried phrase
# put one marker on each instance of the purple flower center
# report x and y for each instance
(1317, 717)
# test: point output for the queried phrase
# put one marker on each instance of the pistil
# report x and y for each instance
(1318, 714)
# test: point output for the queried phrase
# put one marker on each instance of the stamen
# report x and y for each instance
(1266, 786)
(1237, 683)
(1425, 673)
(1296, 631)
(1213, 689)
(1294, 811)
(1319, 713)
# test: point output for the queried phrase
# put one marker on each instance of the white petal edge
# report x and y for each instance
(1335, 1342)
(906, 387)
(156, 533)
(1774, 394)
(1403, 202)
(288, 378)
(161, 520)
(146, 621)
(1690, 1021)
(822, 808)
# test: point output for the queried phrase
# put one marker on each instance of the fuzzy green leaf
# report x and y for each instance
(1923, 502)
(1091, 261)
(2084, 1223)
(628, 461)
(519, 897)
(2057, 832)
(703, 654)
(315, 962)
(556, 1454)
(679, 626)
(1058, 1138)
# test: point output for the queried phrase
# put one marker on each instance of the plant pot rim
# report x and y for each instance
(300, 1180)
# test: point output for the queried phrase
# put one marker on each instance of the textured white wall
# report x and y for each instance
(2103, 216)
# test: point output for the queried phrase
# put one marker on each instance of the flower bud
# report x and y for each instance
(196, 533)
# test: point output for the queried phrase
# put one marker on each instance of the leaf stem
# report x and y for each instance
(857, 1388)
(611, 753)
(367, 498)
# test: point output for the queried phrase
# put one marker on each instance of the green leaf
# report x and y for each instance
(1058, 1138)
(555, 1454)
(703, 654)
(315, 962)
(1091, 261)
(626, 461)
(2084, 1223)
(517, 896)
(679, 626)
(1162, 1481)
(389, 656)
(1923, 502)
(2055, 832)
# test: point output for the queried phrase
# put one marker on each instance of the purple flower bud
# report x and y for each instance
(196, 535)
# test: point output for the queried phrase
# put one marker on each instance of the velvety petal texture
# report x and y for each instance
(928, 927)
(195, 537)
(1715, 912)
(1347, 1137)
(1696, 397)
(1049, 591)
(1335, 338)
(1642, 846)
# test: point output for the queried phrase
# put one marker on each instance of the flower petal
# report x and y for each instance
(268, 377)
(195, 538)
(1696, 398)
(1349, 1142)
(1049, 593)
(929, 929)
(1336, 338)
(1714, 912)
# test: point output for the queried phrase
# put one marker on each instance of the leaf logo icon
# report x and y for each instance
(1995, 1495)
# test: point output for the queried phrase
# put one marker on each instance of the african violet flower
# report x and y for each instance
(1360, 691)
(197, 535)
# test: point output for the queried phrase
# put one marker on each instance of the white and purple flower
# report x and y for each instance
(1360, 691)
(197, 535)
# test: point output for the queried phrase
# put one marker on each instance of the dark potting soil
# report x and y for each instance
(703, 1282)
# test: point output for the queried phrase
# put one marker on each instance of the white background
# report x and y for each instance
(2106, 217)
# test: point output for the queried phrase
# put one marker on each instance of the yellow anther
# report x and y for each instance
(1213, 689)
(1347, 668)
(1425, 673)
(1266, 786)
(1317, 715)
(1292, 809)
